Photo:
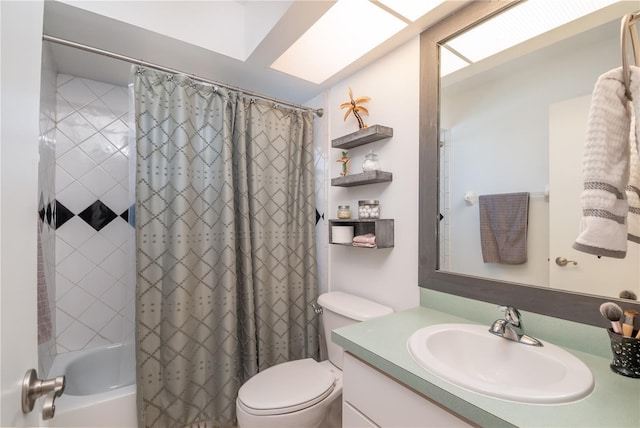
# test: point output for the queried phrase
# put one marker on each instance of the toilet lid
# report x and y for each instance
(287, 387)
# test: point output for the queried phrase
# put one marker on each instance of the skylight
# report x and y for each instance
(412, 9)
(350, 29)
(516, 25)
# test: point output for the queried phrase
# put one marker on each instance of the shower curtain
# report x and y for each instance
(226, 267)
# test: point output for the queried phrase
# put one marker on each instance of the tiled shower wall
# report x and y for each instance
(86, 214)
(94, 241)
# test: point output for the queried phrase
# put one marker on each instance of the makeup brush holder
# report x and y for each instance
(626, 354)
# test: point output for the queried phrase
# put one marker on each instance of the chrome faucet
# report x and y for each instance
(511, 327)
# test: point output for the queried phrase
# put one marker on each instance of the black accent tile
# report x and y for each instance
(49, 214)
(319, 216)
(41, 214)
(62, 214)
(97, 215)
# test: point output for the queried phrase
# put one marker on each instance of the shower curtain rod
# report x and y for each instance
(143, 63)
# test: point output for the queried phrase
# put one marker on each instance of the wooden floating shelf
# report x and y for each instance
(382, 228)
(368, 177)
(362, 136)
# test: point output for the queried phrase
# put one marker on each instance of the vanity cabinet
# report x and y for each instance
(373, 399)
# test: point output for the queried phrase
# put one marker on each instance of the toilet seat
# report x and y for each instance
(286, 388)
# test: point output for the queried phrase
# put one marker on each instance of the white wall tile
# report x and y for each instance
(98, 182)
(97, 248)
(98, 88)
(118, 166)
(76, 197)
(92, 164)
(98, 148)
(113, 330)
(75, 337)
(118, 133)
(117, 100)
(76, 162)
(115, 297)
(63, 320)
(76, 127)
(118, 232)
(76, 92)
(75, 232)
(117, 264)
(97, 316)
(98, 115)
(62, 250)
(117, 198)
(63, 144)
(97, 282)
(75, 302)
(63, 179)
(75, 267)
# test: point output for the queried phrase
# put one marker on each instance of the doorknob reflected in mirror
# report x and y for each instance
(561, 261)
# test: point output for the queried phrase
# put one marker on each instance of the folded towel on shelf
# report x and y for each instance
(363, 244)
(503, 227)
(367, 240)
(611, 196)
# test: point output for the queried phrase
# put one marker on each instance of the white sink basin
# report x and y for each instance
(470, 357)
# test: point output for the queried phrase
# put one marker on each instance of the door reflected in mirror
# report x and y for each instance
(516, 122)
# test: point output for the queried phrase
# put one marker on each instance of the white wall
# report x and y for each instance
(499, 144)
(388, 276)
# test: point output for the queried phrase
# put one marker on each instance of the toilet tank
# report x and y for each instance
(341, 309)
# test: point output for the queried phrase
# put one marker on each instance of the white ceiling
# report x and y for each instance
(232, 42)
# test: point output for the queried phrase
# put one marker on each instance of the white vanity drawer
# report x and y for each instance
(387, 402)
(352, 418)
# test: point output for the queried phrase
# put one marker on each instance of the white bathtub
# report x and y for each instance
(100, 391)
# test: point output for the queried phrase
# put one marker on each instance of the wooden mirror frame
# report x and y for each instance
(570, 306)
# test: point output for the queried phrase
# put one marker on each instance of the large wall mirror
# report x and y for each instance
(504, 119)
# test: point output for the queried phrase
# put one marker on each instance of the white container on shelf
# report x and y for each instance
(342, 234)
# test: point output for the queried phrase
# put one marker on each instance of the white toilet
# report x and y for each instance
(305, 393)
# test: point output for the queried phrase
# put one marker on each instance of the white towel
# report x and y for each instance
(610, 204)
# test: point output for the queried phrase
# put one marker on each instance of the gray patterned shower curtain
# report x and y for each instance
(226, 267)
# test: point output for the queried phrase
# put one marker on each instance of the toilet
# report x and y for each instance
(305, 393)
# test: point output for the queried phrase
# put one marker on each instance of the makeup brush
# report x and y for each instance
(628, 294)
(613, 313)
(627, 326)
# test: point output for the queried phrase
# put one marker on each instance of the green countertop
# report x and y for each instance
(382, 342)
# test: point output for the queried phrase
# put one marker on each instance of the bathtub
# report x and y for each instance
(100, 390)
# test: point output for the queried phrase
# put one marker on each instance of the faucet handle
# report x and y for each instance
(511, 314)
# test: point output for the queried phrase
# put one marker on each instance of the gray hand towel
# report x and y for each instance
(503, 227)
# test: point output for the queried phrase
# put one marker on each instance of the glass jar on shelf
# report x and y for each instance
(344, 212)
(369, 208)
(371, 162)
